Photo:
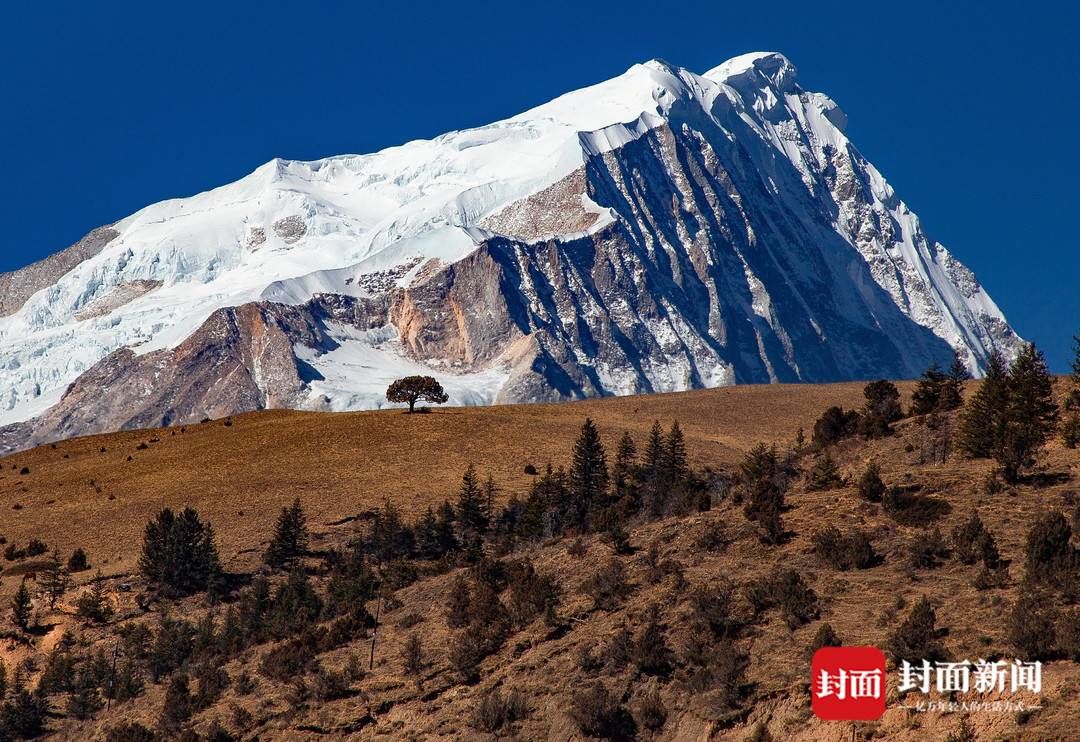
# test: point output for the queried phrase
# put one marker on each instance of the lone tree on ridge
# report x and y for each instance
(412, 389)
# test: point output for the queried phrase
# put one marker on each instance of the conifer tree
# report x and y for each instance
(826, 474)
(427, 536)
(652, 470)
(55, 581)
(916, 638)
(179, 704)
(871, 487)
(84, 700)
(21, 606)
(1030, 412)
(984, 418)
(179, 554)
(445, 528)
(588, 473)
(23, 716)
(78, 561)
(762, 486)
(952, 391)
(653, 457)
(471, 513)
(622, 473)
(390, 538)
(290, 539)
(93, 605)
(927, 395)
(881, 410)
(675, 460)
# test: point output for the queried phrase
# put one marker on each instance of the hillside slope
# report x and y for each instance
(343, 464)
(238, 474)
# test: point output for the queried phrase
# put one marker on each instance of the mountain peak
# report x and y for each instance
(774, 67)
(658, 231)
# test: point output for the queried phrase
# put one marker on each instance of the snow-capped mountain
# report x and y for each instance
(659, 231)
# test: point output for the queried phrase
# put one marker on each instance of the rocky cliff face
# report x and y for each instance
(657, 232)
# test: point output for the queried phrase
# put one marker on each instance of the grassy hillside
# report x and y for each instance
(239, 474)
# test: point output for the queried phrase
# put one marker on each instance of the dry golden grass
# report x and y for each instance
(239, 475)
(341, 465)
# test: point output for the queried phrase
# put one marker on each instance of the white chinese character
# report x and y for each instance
(829, 685)
(1027, 675)
(989, 676)
(865, 683)
(952, 676)
(909, 680)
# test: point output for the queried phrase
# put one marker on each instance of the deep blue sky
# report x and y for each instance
(972, 113)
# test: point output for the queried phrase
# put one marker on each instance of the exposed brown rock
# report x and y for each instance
(555, 210)
(18, 286)
(118, 297)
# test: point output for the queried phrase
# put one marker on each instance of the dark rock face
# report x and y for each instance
(18, 286)
(704, 280)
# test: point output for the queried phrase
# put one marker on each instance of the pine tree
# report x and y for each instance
(983, 421)
(622, 473)
(1048, 552)
(968, 539)
(412, 655)
(55, 581)
(881, 410)
(290, 539)
(675, 460)
(427, 536)
(457, 604)
(24, 714)
(1030, 412)
(916, 638)
(1070, 426)
(21, 606)
(825, 475)
(654, 450)
(762, 486)
(85, 699)
(296, 605)
(179, 554)
(78, 562)
(179, 704)
(652, 469)
(871, 487)
(1070, 429)
(390, 538)
(927, 395)
(471, 514)
(93, 605)
(1029, 626)
(588, 473)
(445, 529)
(952, 391)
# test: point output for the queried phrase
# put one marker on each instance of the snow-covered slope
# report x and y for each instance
(657, 231)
